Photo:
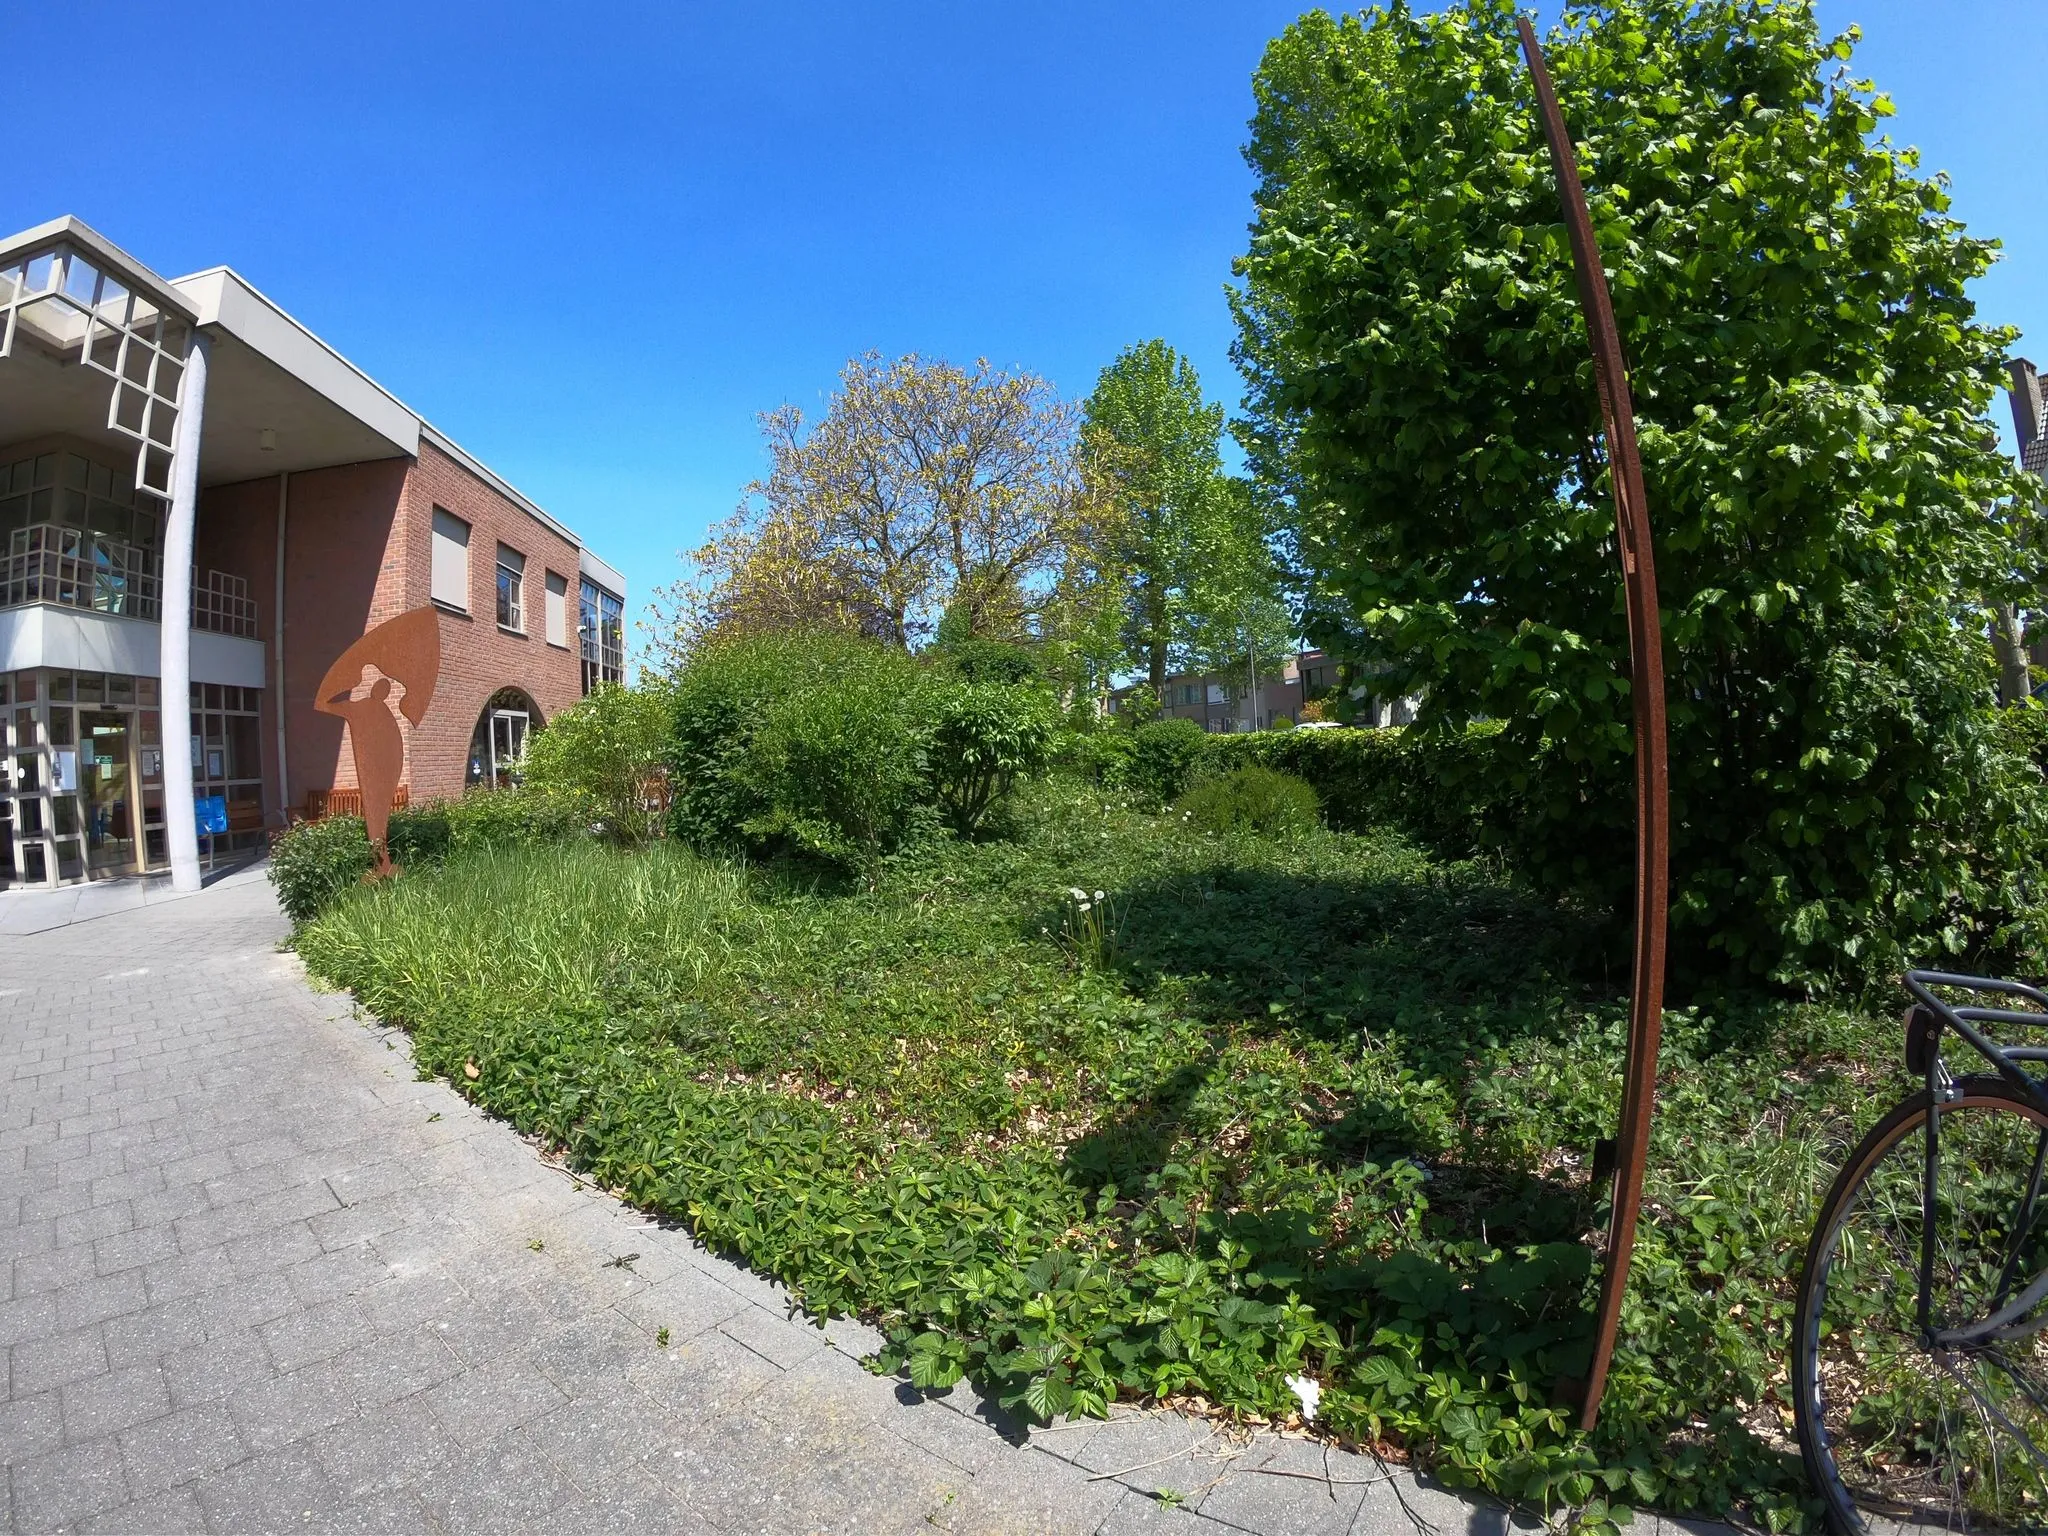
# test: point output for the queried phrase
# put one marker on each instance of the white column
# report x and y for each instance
(284, 778)
(181, 826)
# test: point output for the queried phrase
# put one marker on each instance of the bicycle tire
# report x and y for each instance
(1952, 1488)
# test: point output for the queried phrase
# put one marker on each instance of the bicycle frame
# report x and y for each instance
(1940, 1085)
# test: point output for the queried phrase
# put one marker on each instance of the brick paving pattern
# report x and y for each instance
(261, 1279)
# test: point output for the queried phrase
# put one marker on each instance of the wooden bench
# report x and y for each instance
(323, 803)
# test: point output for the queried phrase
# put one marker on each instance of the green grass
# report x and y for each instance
(1321, 1106)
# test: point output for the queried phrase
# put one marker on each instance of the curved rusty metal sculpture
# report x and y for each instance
(406, 651)
(1653, 774)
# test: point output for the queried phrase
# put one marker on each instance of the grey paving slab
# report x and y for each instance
(255, 1277)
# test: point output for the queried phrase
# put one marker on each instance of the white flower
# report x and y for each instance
(1098, 895)
(1077, 895)
(1308, 1392)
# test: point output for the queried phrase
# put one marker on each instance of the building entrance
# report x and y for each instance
(107, 778)
(82, 772)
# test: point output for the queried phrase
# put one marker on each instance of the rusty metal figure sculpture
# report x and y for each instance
(1653, 786)
(406, 651)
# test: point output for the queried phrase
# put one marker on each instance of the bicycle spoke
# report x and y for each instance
(1950, 1435)
(2022, 1225)
(1990, 1410)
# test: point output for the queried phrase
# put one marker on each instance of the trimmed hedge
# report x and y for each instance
(1164, 755)
(1458, 794)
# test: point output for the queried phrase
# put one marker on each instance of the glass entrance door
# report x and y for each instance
(108, 792)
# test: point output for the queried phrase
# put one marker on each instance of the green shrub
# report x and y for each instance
(716, 704)
(604, 749)
(1100, 757)
(315, 862)
(840, 768)
(992, 661)
(503, 818)
(982, 738)
(808, 741)
(420, 834)
(1252, 799)
(1163, 757)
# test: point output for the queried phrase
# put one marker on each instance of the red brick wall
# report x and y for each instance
(477, 657)
(343, 573)
(236, 532)
(358, 551)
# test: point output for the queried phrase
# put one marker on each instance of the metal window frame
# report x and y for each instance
(114, 340)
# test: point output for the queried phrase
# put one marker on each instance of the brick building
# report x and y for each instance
(197, 495)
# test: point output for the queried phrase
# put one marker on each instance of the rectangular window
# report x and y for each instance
(601, 635)
(511, 589)
(558, 610)
(451, 560)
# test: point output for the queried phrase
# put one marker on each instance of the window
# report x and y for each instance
(451, 560)
(227, 755)
(601, 633)
(558, 610)
(499, 741)
(511, 589)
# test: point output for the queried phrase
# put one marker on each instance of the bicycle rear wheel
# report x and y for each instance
(1940, 1421)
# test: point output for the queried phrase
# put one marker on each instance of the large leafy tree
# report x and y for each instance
(1184, 546)
(1811, 389)
(925, 489)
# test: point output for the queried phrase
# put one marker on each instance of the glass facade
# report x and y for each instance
(82, 772)
(601, 635)
(74, 532)
(227, 757)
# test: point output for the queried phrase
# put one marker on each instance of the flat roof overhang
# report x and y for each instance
(279, 399)
(274, 382)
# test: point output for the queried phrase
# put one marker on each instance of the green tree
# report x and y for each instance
(1238, 621)
(1811, 388)
(1180, 546)
(925, 489)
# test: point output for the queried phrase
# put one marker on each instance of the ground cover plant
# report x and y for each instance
(1317, 1106)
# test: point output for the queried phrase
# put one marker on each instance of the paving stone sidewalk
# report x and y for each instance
(261, 1279)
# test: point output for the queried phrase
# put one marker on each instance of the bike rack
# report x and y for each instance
(1653, 769)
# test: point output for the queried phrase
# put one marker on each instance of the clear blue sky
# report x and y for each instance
(592, 243)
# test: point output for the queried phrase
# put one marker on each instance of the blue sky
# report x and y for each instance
(591, 244)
